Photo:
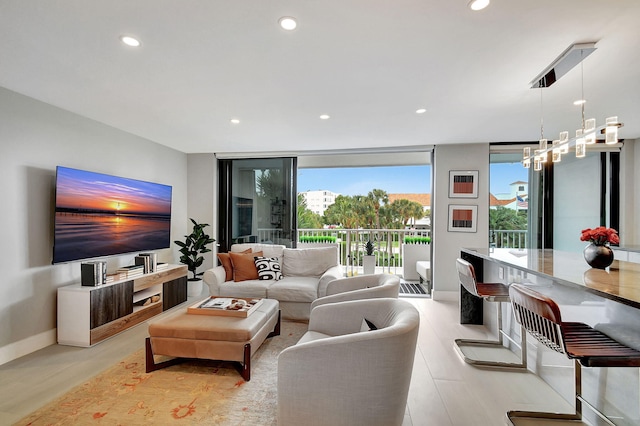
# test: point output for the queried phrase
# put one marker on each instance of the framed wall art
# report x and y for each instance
(463, 184)
(462, 218)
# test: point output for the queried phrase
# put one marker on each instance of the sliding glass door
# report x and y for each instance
(256, 201)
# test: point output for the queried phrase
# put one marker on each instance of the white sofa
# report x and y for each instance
(306, 275)
(338, 374)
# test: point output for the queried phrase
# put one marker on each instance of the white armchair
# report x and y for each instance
(338, 374)
(360, 287)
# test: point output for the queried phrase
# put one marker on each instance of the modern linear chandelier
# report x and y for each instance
(586, 134)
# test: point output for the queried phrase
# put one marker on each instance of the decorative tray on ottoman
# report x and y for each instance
(225, 306)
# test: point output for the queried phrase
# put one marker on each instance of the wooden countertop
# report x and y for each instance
(620, 282)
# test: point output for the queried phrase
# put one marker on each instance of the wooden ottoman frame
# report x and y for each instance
(208, 338)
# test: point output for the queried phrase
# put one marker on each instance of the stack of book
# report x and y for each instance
(162, 267)
(93, 273)
(118, 276)
(148, 260)
(131, 271)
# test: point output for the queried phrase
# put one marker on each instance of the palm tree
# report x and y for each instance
(406, 210)
(342, 212)
(306, 218)
(416, 211)
(363, 207)
(269, 183)
(378, 197)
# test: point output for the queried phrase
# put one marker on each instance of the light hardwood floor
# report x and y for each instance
(444, 390)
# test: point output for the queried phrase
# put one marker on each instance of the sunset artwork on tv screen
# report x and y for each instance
(101, 215)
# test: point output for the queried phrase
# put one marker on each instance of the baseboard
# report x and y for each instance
(444, 295)
(26, 346)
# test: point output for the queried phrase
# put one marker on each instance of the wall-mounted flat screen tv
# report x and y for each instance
(103, 215)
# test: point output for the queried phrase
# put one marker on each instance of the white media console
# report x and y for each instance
(88, 315)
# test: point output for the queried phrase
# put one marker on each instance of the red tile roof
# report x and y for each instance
(493, 201)
(423, 199)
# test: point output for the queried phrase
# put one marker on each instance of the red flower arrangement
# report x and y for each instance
(600, 236)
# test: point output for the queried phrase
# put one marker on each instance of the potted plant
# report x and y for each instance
(194, 245)
(414, 248)
(369, 259)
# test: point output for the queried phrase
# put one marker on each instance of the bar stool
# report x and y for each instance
(491, 292)
(540, 316)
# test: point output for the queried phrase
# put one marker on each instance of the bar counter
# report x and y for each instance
(619, 282)
(607, 300)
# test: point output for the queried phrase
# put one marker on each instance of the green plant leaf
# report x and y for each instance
(194, 244)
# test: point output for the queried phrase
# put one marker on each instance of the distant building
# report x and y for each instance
(319, 201)
(516, 199)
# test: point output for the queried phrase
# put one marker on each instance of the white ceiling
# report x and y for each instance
(369, 64)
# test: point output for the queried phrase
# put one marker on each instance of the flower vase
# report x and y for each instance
(598, 256)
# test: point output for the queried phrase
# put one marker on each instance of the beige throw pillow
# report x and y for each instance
(225, 261)
(244, 267)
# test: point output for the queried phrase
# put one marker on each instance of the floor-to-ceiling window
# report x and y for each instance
(367, 197)
(509, 202)
(560, 200)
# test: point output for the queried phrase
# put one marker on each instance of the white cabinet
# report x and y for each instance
(88, 315)
(411, 253)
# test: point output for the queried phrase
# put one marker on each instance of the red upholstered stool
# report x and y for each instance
(540, 316)
(491, 292)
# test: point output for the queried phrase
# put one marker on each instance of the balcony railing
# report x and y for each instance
(387, 244)
(508, 239)
(351, 242)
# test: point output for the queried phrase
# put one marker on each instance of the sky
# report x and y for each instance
(395, 180)
(361, 180)
(502, 174)
(88, 190)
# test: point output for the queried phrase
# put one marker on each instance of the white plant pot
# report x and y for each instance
(369, 264)
(194, 288)
(411, 253)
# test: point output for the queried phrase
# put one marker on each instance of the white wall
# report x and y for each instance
(446, 245)
(34, 138)
(629, 202)
(202, 199)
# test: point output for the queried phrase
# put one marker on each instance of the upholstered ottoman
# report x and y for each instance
(187, 336)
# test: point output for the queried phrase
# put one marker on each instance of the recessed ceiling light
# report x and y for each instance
(421, 111)
(580, 102)
(130, 41)
(478, 4)
(324, 117)
(288, 23)
(234, 121)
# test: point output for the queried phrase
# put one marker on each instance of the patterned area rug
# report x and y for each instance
(198, 392)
